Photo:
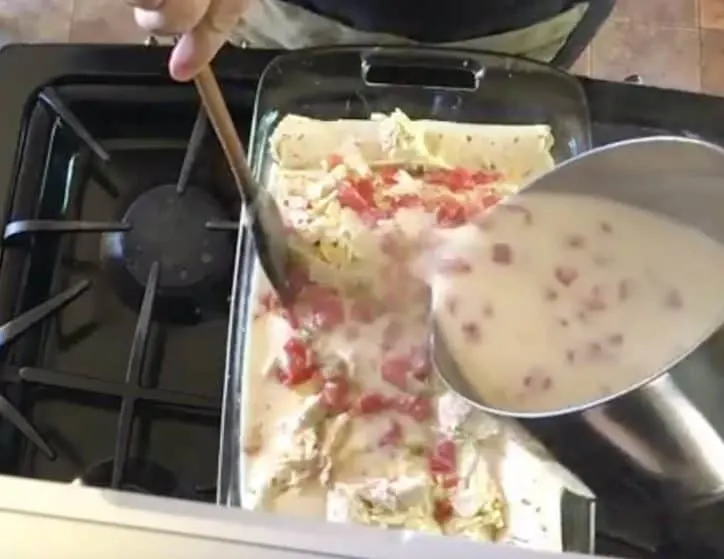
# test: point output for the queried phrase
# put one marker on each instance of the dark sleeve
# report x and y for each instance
(437, 21)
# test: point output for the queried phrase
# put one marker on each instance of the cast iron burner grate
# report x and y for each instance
(142, 476)
(167, 254)
(169, 228)
(139, 477)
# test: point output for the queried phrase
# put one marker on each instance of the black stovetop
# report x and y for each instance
(116, 264)
(117, 258)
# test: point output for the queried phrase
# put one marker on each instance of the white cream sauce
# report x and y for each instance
(268, 406)
(568, 299)
(270, 411)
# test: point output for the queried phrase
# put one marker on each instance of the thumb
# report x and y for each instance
(199, 46)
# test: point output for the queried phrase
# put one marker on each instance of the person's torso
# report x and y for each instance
(436, 21)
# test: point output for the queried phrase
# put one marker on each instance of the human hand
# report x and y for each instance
(203, 27)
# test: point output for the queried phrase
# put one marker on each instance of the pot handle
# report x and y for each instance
(400, 67)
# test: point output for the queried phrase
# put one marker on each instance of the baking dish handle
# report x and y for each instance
(439, 70)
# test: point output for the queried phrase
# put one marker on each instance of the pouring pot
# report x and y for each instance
(669, 432)
(663, 442)
(665, 434)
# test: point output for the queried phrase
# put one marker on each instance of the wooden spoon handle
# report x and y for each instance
(220, 117)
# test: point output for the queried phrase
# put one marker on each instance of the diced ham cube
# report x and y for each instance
(472, 332)
(502, 253)
(566, 275)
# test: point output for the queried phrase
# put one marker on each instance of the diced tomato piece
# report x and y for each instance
(406, 201)
(490, 200)
(358, 194)
(455, 179)
(452, 178)
(443, 458)
(460, 179)
(349, 197)
(297, 353)
(485, 177)
(393, 436)
(301, 365)
(450, 213)
(371, 402)
(325, 305)
(395, 370)
(328, 313)
(418, 408)
(335, 394)
(443, 511)
(333, 160)
(366, 189)
(295, 377)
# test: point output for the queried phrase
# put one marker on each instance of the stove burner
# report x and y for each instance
(169, 229)
(139, 476)
(195, 262)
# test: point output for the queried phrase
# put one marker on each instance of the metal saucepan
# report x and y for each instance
(666, 435)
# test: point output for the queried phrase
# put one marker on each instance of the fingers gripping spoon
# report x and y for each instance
(263, 216)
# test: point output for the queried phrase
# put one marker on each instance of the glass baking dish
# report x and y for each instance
(438, 84)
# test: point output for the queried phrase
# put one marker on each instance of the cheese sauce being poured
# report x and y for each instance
(558, 300)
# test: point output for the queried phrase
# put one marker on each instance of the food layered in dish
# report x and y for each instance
(343, 418)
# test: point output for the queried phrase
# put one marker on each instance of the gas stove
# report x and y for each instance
(119, 237)
(118, 249)
(115, 272)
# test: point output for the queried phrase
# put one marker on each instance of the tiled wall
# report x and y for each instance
(672, 43)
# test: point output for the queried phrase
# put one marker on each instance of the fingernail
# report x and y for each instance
(181, 65)
(181, 72)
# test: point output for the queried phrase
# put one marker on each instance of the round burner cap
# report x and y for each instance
(170, 229)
